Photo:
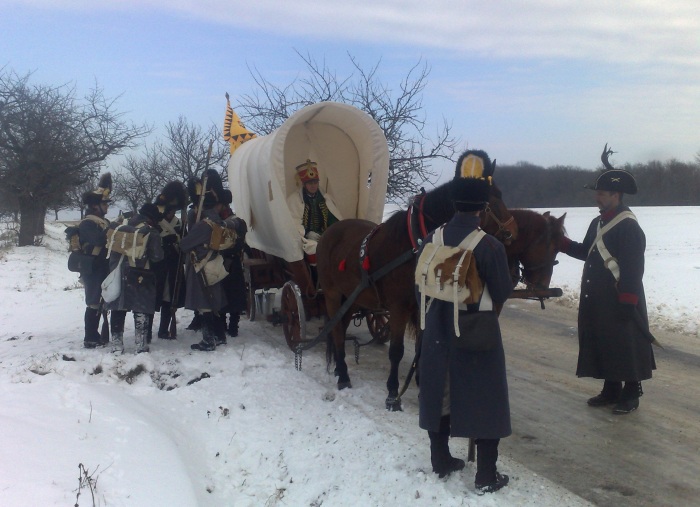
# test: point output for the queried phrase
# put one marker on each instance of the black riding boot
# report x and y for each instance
(208, 343)
(196, 323)
(608, 396)
(92, 333)
(232, 330)
(440, 457)
(165, 315)
(487, 478)
(220, 328)
(629, 399)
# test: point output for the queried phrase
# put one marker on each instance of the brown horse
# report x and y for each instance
(535, 248)
(340, 271)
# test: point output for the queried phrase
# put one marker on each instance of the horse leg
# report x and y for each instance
(336, 342)
(341, 367)
(397, 327)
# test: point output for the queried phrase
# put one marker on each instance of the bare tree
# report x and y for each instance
(400, 115)
(141, 178)
(180, 156)
(50, 142)
(186, 146)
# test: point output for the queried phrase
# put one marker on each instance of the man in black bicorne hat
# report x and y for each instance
(612, 313)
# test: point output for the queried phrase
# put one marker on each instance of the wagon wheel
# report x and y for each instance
(250, 301)
(378, 325)
(293, 315)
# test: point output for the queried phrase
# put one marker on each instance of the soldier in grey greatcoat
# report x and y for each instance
(206, 299)
(92, 232)
(169, 272)
(612, 313)
(462, 393)
(138, 283)
(234, 284)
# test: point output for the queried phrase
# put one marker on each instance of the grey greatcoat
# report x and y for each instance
(138, 287)
(611, 348)
(93, 237)
(198, 237)
(478, 388)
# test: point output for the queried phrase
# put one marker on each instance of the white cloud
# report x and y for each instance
(597, 30)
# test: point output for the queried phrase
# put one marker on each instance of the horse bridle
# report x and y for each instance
(503, 233)
(520, 267)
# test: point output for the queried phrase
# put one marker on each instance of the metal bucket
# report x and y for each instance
(265, 302)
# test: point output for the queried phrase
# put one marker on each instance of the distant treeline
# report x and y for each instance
(526, 185)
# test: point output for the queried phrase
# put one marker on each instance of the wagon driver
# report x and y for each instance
(319, 211)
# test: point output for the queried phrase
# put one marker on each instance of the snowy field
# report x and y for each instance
(241, 427)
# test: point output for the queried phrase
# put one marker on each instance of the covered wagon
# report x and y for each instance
(352, 156)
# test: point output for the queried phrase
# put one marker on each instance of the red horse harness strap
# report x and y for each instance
(415, 220)
(364, 250)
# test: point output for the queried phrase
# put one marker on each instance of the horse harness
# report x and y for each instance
(417, 232)
(516, 269)
(503, 232)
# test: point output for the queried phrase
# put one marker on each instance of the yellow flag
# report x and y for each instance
(234, 131)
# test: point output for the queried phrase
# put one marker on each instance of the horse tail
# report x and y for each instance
(330, 350)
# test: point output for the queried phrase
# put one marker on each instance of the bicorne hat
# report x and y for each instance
(308, 171)
(101, 193)
(471, 187)
(615, 180)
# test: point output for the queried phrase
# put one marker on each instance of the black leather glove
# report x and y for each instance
(626, 311)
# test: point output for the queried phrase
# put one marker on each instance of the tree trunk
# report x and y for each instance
(31, 215)
(41, 221)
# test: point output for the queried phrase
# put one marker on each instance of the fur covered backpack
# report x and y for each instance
(449, 273)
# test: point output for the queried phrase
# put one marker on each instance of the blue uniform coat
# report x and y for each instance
(93, 237)
(478, 387)
(611, 348)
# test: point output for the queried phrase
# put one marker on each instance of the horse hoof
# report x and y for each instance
(343, 385)
(393, 404)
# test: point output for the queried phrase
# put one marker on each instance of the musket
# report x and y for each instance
(172, 331)
(204, 183)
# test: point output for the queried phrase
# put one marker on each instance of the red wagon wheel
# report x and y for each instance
(293, 315)
(378, 325)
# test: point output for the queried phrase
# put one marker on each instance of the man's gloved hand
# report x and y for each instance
(626, 311)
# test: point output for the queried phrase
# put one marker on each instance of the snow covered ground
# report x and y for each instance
(241, 427)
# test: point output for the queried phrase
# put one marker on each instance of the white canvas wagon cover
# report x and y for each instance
(353, 162)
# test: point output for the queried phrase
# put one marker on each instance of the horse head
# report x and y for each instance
(497, 220)
(536, 247)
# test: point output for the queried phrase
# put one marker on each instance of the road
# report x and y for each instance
(650, 457)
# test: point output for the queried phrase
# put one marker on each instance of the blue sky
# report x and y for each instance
(544, 81)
